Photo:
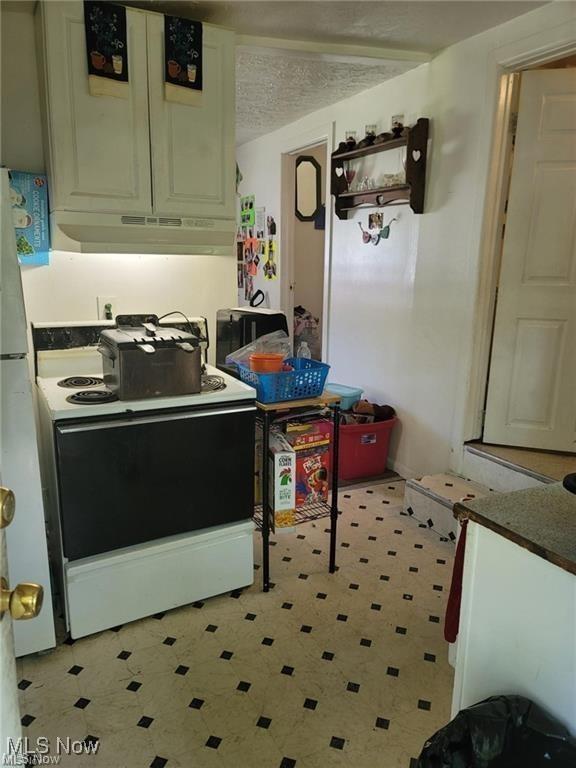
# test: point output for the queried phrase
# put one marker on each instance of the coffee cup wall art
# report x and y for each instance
(183, 52)
(106, 40)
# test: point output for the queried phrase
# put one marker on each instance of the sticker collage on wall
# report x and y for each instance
(257, 246)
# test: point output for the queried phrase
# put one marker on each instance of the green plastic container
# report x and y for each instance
(349, 395)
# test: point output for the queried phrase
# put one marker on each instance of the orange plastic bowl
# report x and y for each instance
(266, 363)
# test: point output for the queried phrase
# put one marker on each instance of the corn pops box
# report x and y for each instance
(282, 480)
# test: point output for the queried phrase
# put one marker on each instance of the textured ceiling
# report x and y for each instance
(423, 26)
(276, 87)
(274, 90)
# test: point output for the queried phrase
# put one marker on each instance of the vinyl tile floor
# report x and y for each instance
(349, 669)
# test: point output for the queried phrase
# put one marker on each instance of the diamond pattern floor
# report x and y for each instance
(323, 671)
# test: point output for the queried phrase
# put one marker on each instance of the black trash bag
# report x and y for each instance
(501, 732)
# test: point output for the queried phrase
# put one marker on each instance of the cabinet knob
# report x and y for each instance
(22, 602)
(7, 506)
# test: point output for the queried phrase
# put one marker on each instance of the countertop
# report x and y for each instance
(542, 520)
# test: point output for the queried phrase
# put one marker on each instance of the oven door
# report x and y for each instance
(124, 481)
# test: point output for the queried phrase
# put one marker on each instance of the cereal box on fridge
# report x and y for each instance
(29, 201)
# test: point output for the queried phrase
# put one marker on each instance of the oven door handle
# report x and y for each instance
(65, 429)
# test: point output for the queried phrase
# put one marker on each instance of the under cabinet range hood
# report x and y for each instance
(84, 232)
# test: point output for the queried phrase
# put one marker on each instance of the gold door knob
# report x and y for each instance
(7, 506)
(23, 602)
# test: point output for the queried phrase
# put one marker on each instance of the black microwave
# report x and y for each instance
(239, 326)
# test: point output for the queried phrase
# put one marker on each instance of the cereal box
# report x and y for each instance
(311, 443)
(282, 479)
(29, 200)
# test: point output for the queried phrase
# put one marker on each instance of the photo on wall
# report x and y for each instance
(260, 222)
(269, 268)
(247, 211)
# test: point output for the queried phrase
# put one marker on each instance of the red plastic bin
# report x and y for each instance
(364, 449)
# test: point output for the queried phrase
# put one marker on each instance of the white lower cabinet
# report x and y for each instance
(152, 162)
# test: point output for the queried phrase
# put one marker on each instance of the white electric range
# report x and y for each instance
(82, 395)
(149, 501)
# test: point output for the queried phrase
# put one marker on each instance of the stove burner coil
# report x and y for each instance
(80, 382)
(212, 383)
(92, 397)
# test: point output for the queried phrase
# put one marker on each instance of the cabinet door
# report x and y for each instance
(98, 146)
(193, 147)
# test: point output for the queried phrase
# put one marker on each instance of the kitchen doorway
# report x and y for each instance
(530, 373)
(306, 246)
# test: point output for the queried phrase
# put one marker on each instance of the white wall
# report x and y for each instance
(68, 287)
(401, 315)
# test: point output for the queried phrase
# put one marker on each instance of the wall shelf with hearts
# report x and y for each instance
(415, 139)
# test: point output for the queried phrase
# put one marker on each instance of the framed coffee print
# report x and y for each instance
(183, 71)
(106, 48)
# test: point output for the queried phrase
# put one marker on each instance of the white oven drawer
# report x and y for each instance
(107, 590)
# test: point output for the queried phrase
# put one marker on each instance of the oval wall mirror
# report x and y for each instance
(308, 184)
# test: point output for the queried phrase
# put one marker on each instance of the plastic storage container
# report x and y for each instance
(306, 380)
(262, 362)
(349, 395)
(364, 449)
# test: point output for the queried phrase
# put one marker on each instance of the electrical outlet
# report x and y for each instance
(396, 119)
(106, 307)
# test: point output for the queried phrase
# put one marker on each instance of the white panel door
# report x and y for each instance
(532, 385)
(99, 145)
(193, 147)
(10, 730)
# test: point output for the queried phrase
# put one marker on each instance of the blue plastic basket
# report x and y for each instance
(306, 380)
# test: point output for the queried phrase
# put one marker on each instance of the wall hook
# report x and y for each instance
(374, 237)
(385, 231)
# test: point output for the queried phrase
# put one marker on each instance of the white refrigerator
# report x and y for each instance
(26, 535)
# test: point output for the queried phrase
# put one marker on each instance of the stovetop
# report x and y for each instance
(80, 382)
(91, 397)
(85, 395)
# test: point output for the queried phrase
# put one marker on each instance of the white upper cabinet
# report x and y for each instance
(193, 152)
(140, 155)
(98, 146)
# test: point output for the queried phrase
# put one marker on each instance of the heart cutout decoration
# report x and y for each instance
(339, 172)
(416, 155)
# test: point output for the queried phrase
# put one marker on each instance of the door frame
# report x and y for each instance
(300, 142)
(507, 62)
